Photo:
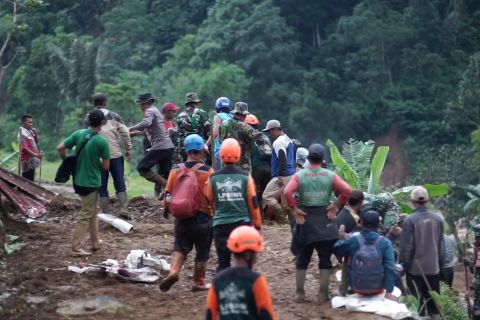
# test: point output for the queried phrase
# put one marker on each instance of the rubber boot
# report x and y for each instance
(122, 200)
(122, 206)
(323, 292)
(300, 276)
(154, 177)
(199, 272)
(96, 242)
(173, 276)
(104, 203)
(344, 283)
(78, 235)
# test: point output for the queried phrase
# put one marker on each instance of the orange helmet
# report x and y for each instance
(245, 238)
(251, 119)
(230, 151)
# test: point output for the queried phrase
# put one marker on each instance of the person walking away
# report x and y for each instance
(161, 150)
(314, 228)
(193, 120)
(87, 180)
(237, 129)
(30, 154)
(349, 217)
(223, 106)
(114, 131)
(283, 168)
(260, 157)
(238, 292)
(185, 200)
(448, 272)
(231, 192)
(422, 251)
(372, 263)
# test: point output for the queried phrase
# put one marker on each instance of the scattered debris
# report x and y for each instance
(30, 198)
(36, 299)
(378, 305)
(89, 306)
(115, 222)
(138, 267)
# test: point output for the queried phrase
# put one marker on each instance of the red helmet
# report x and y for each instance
(230, 151)
(251, 119)
(245, 238)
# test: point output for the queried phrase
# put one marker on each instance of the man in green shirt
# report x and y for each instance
(94, 156)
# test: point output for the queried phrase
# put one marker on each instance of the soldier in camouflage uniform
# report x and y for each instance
(386, 205)
(236, 128)
(475, 269)
(191, 121)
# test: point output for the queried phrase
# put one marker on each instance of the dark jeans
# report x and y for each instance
(162, 158)
(220, 235)
(324, 250)
(261, 175)
(417, 287)
(195, 231)
(30, 174)
(447, 276)
(117, 171)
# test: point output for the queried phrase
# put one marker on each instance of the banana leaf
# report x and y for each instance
(471, 206)
(376, 168)
(434, 190)
(357, 155)
(342, 168)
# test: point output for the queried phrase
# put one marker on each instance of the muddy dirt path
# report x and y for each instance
(40, 270)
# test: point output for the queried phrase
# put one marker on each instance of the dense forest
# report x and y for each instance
(326, 69)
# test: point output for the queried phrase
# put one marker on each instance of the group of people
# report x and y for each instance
(221, 178)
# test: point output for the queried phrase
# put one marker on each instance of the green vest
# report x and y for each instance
(315, 186)
(230, 191)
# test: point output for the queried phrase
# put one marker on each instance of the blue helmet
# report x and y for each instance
(223, 103)
(193, 142)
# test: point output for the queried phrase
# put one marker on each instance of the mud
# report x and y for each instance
(40, 270)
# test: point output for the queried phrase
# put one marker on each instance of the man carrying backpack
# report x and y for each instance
(372, 260)
(231, 192)
(422, 251)
(314, 228)
(185, 200)
(223, 107)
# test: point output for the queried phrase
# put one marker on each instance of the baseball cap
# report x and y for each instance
(169, 106)
(370, 219)
(272, 124)
(419, 194)
(301, 156)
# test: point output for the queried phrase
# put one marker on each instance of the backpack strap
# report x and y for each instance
(182, 166)
(361, 239)
(197, 166)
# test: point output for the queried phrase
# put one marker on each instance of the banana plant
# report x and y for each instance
(354, 164)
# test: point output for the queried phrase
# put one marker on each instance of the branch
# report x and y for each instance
(9, 34)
